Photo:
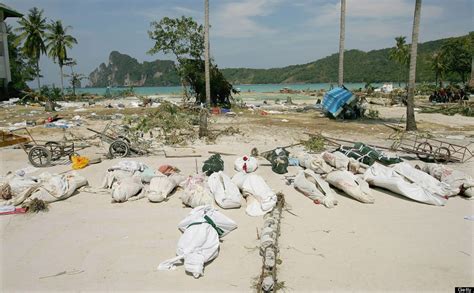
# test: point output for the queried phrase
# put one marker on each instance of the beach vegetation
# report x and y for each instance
(32, 33)
(401, 55)
(58, 41)
(184, 38)
(22, 69)
(456, 56)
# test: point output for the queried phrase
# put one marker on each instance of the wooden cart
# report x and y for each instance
(431, 149)
(41, 155)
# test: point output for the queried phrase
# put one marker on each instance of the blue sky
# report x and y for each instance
(246, 33)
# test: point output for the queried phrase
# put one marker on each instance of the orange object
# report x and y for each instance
(79, 162)
(216, 110)
(167, 169)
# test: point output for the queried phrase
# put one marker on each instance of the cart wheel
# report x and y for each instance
(442, 154)
(39, 156)
(424, 151)
(55, 150)
(119, 149)
(124, 139)
(74, 154)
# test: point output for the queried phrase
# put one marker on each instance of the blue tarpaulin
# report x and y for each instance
(335, 99)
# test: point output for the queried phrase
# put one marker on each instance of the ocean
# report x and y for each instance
(257, 88)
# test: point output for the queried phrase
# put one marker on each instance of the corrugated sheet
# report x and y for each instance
(335, 99)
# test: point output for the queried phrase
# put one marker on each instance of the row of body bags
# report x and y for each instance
(132, 180)
(128, 181)
(334, 169)
(47, 187)
(431, 183)
(228, 192)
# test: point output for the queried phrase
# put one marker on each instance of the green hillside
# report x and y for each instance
(359, 66)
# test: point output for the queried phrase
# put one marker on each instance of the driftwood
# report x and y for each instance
(222, 154)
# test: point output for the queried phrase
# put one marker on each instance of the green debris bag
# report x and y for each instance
(368, 155)
(279, 160)
(213, 164)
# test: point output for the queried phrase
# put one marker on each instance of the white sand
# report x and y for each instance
(394, 244)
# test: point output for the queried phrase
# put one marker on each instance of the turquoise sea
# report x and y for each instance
(257, 88)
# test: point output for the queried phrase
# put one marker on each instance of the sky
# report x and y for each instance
(245, 33)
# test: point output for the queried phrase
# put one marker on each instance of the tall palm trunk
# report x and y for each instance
(38, 73)
(411, 123)
(62, 79)
(341, 42)
(203, 116)
(471, 82)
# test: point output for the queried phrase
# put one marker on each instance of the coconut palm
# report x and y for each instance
(31, 31)
(438, 65)
(341, 42)
(57, 43)
(203, 116)
(411, 123)
(400, 54)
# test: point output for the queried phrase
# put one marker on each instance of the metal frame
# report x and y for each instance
(438, 150)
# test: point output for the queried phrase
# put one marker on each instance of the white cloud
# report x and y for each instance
(377, 19)
(238, 20)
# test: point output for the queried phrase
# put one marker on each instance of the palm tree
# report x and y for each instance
(58, 42)
(203, 116)
(400, 54)
(411, 123)
(32, 34)
(438, 65)
(341, 42)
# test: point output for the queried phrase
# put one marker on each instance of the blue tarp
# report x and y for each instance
(335, 99)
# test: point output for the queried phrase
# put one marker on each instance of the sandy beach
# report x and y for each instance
(85, 243)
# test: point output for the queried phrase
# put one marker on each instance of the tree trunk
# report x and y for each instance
(411, 123)
(203, 115)
(62, 79)
(38, 73)
(400, 76)
(471, 82)
(341, 42)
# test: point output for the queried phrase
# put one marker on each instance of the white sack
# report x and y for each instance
(196, 192)
(352, 185)
(114, 176)
(337, 160)
(246, 164)
(315, 163)
(454, 178)
(162, 186)
(126, 188)
(254, 186)
(423, 179)
(131, 166)
(58, 187)
(225, 192)
(21, 187)
(199, 243)
(314, 187)
(385, 177)
(19, 184)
